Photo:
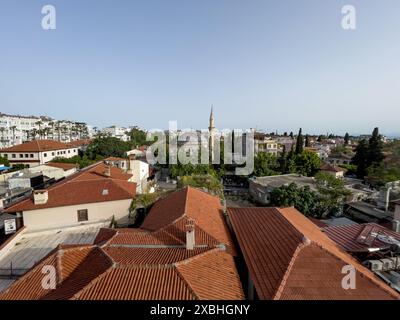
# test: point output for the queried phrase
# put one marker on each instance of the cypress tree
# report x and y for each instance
(299, 143)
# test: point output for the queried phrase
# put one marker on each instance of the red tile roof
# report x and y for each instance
(289, 257)
(79, 143)
(86, 186)
(64, 166)
(331, 168)
(346, 236)
(37, 146)
(98, 171)
(139, 264)
(206, 210)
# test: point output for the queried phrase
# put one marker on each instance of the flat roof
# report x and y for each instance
(286, 179)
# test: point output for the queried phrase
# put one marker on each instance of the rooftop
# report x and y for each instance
(360, 237)
(37, 146)
(64, 166)
(125, 264)
(286, 179)
(85, 186)
(290, 258)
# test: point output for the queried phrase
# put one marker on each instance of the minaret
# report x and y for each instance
(211, 127)
(212, 130)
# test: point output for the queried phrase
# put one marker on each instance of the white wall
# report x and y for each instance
(68, 216)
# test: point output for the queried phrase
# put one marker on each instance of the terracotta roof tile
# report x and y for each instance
(37, 146)
(79, 192)
(64, 166)
(288, 255)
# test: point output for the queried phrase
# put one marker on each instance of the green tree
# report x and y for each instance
(106, 146)
(375, 149)
(204, 181)
(4, 161)
(299, 143)
(360, 159)
(307, 143)
(138, 137)
(306, 163)
(346, 139)
(332, 193)
(302, 198)
(265, 164)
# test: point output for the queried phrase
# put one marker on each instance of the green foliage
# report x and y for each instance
(360, 158)
(303, 199)
(299, 143)
(179, 170)
(369, 155)
(206, 181)
(382, 174)
(265, 164)
(306, 163)
(82, 162)
(106, 146)
(332, 192)
(138, 137)
(346, 139)
(4, 161)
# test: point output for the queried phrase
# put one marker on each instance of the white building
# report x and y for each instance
(37, 152)
(98, 193)
(117, 132)
(16, 129)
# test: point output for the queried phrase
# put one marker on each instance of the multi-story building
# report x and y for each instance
(16, 129)
(117, 132)
(38, 152)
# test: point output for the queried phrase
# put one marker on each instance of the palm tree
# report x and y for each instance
(39, 123)
(13, 128)
(2, 129)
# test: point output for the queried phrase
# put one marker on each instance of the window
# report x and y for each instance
(26, 155)
(82, 215)
(31, 155)
(69, 151)
(6, 155)
(52, 153)
(21, 155)
(13, 155)
(45, 154)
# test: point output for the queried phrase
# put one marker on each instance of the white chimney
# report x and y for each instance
(190, 238)
(396, 218)
(40, 196)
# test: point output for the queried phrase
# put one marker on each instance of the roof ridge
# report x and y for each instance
(361, 269)
(96, 279)
(306, 242)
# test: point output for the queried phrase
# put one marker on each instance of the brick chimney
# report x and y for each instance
(40, 197)
(190, 238)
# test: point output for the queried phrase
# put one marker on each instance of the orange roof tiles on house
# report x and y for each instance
(37, 146)
(99, 171)
(85, 185)
(205, 209)
(140, 264)
(64, 166)
(289, 257)
(79, 192)
(79, 143)
(331, 168)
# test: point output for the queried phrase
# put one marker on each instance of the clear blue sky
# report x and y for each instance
(270, 64)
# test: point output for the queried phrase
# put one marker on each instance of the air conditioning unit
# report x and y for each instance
(396, 263)
(375, 265)
(388, 264)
